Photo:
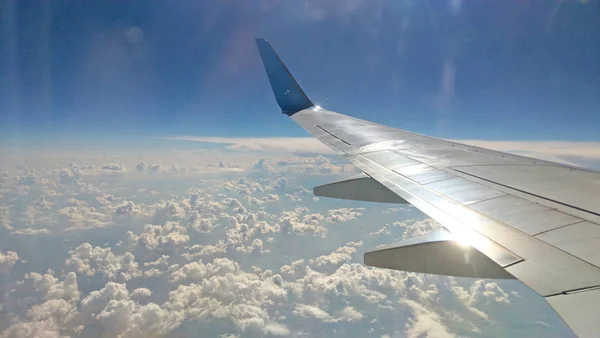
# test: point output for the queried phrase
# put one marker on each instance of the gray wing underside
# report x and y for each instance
(504, 216)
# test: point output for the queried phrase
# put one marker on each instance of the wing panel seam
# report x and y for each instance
(560, 227)
(323, 129)
(530, 193)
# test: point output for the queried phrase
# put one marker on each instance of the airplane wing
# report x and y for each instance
(504, 216)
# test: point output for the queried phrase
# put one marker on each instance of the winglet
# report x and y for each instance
(288, 93)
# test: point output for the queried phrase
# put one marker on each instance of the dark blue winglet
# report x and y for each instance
(288, 93)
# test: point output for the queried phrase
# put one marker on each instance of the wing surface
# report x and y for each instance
(538, 220)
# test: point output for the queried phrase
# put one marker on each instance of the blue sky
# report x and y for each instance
(129, 70)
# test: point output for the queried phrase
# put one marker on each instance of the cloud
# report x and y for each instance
(113, 167)
(128, 208)
(425, 323)
(121, 315)
(140, 294)
(51, 306)
(347, 314)
(198, 271)
(226, 293)
(300, 222)
(88, 260)
(344, 214)
(29, 231)
(5, 215)
(301, 145)
(222, 253)
(80, 216)
(48, 319)
(335, 259)
(414, 228)
(166, 238)
(7, 260)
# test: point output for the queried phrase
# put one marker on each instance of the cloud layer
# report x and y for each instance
(109, 247)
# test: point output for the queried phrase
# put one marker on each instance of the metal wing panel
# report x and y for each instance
(464, 191)
(390, 159)
(545, 268)
(524, 215)
(581, 240)
(572, 187)
(422, 173)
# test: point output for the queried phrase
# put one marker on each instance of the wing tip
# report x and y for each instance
(290, 97)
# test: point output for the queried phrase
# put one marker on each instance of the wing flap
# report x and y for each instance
(547, 182)
(361, 188)
(437, 253)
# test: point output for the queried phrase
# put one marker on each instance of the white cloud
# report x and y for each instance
(80, 215)
(425, 322)
(340, 256)
(226, 293)
(222, 252)
(5, 214)
(306, 145)
(310, 225)
(166, 238)
(49, 319)
(344, 214)
(121, 315)
(128, 208)
(414, 228)
(198, 271)
(113, 167)
(88, 261)
(140, 294)
(7, 260)
(29, 231)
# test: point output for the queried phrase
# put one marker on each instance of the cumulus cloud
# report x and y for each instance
(414, 228)
(230, 254)
(425, 323)
(113, 167)
(80, 215)
(198, 271)
(227, 293)
(7, 260)
(51, 306)
(128, 208)
(300, 222)
(5, 217)
(140, 294)
(344, 214)
(338, 257)
(88, 260)
(141, 167)
(121, 314)
(163, 238)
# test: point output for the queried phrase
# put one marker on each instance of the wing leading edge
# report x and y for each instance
(520, 217)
